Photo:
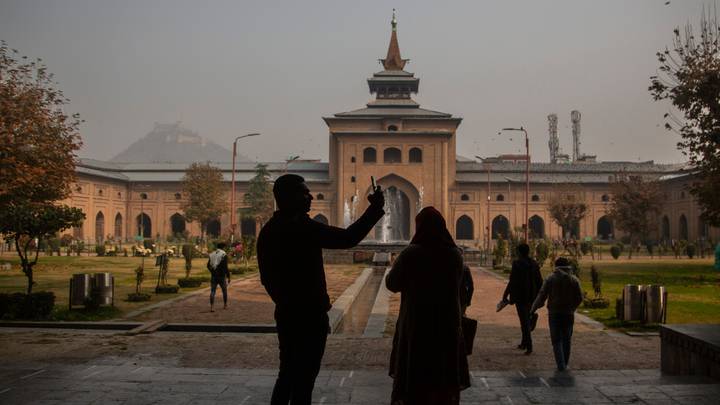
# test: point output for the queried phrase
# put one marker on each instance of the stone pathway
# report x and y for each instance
(248, 302)
(499, 333)
(138, 385)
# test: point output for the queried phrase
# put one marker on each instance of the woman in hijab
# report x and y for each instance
(428, 363)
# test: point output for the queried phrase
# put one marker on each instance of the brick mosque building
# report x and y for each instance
(410, 150)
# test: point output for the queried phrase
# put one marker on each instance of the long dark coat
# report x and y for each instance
(428, 353)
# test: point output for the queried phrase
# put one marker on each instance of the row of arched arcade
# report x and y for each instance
(465, 228)
(143, 225)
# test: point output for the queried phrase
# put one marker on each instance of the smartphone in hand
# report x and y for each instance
(374, 185)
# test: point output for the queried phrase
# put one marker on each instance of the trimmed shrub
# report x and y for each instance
(100, 250)
(541, 253)
(596, 303)
(148, 243)
(586, 247)
(138, 297)
(690, 249)
(37, 305)
(615, 251)
(167, 289)
(189, 282)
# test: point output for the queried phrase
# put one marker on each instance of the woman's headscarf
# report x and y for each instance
(430, 229)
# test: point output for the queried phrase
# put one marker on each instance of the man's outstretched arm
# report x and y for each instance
(332, 237)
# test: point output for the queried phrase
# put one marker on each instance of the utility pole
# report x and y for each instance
(232, 192)
(527, 177)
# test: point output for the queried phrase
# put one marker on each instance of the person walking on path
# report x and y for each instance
(522, 288)
(563, 293)
(428, 362)
(219, 274)
(290, 259)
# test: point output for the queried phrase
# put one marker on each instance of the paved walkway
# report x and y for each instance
(248, 301)
(130, 384)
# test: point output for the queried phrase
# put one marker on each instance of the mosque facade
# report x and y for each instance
(412, 153)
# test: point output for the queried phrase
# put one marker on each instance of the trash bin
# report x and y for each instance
(103, 284)
(80, 287)
(655, 304)
(632, 303)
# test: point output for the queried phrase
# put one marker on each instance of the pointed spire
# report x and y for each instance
(393, 60)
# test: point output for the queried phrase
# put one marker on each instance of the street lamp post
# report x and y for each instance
(488, 228)
(232, 192)
(527, 177)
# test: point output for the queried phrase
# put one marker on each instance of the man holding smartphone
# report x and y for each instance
(289, 252)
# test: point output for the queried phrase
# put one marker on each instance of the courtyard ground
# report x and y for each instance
(248, 301)
(99, 367)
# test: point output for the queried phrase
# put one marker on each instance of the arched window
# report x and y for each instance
(352, 179)
(464, 197)
(144, 225)
(464, 228)
(213, 228)
(537, 227)
(352, 159)
(118, 226)
(682, 195)
(178, 196)
(500, 197)
(143, 196)
(535, 198)
(604, 228)
(248, 226)
(369, 155)
(392, 128)
(321, 218)
(415, 155)
(320, 197)
(119, 194)
(665, 228)
(500, 226)
(177, 224)
(100, 192)
(99, 227)
(392, 155)
(683, 230)
(605, 198)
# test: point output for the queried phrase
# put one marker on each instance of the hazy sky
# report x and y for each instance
(225, 68)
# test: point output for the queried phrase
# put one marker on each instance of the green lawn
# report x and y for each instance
(54, 273)
(693, 286)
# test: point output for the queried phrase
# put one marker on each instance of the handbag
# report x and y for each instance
(469, 329)
(533, 321)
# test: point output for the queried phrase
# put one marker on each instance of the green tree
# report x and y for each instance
(203, 185)
(259, 197)
(689, 76)
(567, 211)
(634, 207)
(38, 142)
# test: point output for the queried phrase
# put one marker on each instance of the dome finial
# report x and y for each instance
(394, 21)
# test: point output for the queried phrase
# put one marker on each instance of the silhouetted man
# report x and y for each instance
(525, 282)
(291, 269)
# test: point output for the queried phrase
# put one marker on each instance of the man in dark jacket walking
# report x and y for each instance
(291, 269)
(564, 294)
(525, 281)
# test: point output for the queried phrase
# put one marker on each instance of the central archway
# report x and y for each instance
(402, 202)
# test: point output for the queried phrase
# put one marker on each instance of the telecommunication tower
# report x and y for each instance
(554, 141)
(575, 120)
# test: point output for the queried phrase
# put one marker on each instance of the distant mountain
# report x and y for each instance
(173, 143)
